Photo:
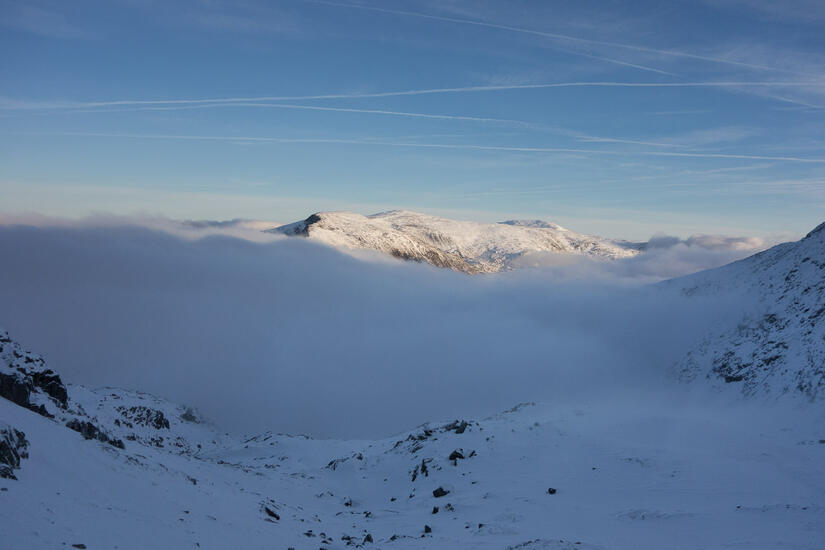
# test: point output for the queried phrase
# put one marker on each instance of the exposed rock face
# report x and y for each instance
(469, 247)
(13, 448)
(144, 416)
(26, 381)
(778, 346)
(90, 431)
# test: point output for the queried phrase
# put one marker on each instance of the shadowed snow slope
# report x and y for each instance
(471, 247)
(777, 346)
(616, 475)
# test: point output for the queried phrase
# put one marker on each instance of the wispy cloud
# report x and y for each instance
(618, 62)
(250, 104)
(469, 147)
(555, 36)
(13, 104)
(712, 136)
(29, 18)
(811, 12)
(680, 112)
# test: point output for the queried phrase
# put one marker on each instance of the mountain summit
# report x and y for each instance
(470, 247)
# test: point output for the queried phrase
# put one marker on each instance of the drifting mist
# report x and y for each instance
(293, 336)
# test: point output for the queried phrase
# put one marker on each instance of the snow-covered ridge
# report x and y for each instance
(777, 346)
(470, 247)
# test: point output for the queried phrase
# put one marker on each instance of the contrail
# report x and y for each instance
(426, 145)
(523, 123)
(311, 108)
(557, 36)
(8, 104)
(616, 62)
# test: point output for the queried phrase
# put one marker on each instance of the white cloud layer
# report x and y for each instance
(297, 337)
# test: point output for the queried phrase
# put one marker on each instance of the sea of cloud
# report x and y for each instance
(268, 332)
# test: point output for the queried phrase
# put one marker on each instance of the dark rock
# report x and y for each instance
(422, 468)
(144, 416)
(18, 390)
(435, 509)
(458, 426)
(367, 539)
(428, 529)
(189, 416)
(440, 492)
(90, 431)
(79, 545)
(551, 491)
(13, 448)
(23, 374)
(49, 382)
(456, 455)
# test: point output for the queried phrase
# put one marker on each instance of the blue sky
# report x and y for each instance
(619, 118)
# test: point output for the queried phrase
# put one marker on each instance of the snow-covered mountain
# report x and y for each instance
(777, 345)
(110, 468)
(471, 247)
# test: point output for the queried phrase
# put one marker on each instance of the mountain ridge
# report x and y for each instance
(778, 343)
(469, 247)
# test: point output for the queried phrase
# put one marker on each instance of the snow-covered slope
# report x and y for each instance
(777, 346)
(471, 247)
(110, 415)
(610, 476)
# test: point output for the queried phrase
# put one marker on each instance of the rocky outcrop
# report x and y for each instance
(13, 448)
(90, 431)
(142, 416)
(27, 381)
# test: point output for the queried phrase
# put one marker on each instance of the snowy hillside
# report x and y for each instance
(471, 247)
(777, 346)
(611, 476)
